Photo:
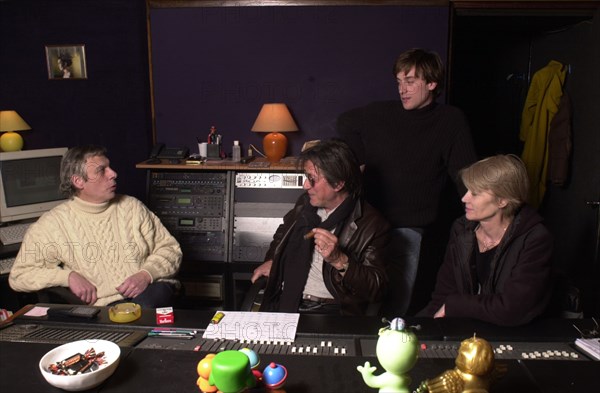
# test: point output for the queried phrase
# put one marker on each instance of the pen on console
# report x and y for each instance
(173, 330)
(190, 332)
(172, 335)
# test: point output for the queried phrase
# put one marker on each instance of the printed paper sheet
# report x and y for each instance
(251, 326)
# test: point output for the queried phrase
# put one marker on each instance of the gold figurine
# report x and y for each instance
(475, 370)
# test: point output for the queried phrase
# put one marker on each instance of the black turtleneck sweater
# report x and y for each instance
(408, 156)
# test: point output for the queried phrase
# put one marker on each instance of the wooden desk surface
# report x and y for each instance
(286, 164)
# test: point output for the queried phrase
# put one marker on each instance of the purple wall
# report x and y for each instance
(111, 107)
(211, 66)
(217, 66)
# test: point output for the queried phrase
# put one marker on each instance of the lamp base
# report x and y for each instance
(275, 146)
(11, 141)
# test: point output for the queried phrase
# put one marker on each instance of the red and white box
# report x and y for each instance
(164, 315)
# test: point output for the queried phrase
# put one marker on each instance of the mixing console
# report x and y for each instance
(504, 350)
(337, 346)
(308, 346)
(513, 350)
(64, 333)
(323, 356)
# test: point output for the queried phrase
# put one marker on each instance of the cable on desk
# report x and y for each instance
(251, 146)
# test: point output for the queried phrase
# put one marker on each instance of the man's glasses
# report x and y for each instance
(589, 333)
(311, 180)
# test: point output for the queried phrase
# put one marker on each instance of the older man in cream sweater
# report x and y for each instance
(102, 247)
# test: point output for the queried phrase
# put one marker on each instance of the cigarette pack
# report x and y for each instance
(164, 315)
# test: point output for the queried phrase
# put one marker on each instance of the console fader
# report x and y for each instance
(302, 346)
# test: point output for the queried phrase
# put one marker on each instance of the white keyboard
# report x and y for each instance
(6, 265)
(13, 233)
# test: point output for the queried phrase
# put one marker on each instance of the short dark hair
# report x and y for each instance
(73, 163)
(335, 160)
(428, 66)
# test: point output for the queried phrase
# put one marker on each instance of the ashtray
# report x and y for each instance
(124, 312)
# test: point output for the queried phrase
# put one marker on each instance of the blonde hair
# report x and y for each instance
(504, 176)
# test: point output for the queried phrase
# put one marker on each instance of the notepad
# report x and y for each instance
(590, 346)
(254, 326)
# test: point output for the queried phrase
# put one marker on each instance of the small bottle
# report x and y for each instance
(236, 152)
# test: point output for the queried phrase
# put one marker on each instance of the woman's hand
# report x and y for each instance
(441, 313)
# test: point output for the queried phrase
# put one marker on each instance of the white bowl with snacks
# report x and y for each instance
(80, 365)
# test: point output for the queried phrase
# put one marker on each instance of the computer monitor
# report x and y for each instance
(29, 183)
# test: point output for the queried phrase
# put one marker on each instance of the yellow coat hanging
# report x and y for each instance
(540, 107)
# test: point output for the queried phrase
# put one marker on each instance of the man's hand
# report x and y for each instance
(135, 284)
(326, 243)
(82, 288)
(262, 270)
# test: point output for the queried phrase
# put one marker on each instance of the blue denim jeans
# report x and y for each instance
(405, 250)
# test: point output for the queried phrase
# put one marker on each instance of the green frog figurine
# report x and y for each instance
(397, 351)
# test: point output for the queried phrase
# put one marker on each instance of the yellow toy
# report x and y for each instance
(475, 370)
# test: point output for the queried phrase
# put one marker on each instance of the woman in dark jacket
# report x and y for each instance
(497, 263)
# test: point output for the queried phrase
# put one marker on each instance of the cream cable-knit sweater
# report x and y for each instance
(105, 243)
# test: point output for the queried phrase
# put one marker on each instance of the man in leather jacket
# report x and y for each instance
(329, 255)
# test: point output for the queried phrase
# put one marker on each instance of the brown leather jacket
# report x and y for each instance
(364, 239)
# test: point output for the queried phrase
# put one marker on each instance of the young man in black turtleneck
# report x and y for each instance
(408, 148)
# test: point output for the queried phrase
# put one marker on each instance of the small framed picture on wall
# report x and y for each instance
(66, 61)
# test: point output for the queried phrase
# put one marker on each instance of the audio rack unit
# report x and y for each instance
(194, 207)
(224, 221)
(260, 202)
